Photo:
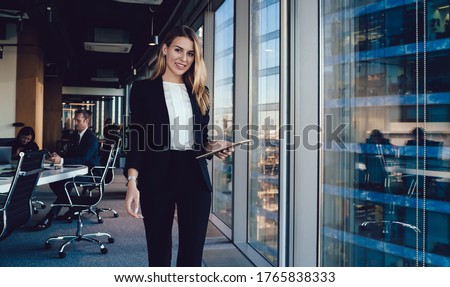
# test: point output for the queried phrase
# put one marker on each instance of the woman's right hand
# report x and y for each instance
(132, 200)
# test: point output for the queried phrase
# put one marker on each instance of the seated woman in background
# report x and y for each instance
(24, 142)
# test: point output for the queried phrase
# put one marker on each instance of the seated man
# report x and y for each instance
(83, 151)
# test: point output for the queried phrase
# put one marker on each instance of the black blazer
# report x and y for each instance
(84, 153)
(149, 133)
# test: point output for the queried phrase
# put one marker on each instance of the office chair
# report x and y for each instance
(381, 179)
(108, 179)
(82, 204)
(15, 206)
(110, 175)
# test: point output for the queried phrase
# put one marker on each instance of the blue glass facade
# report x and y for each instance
(386, 192)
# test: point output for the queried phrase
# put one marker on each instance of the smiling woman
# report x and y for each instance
(179, 58)
(163, 173)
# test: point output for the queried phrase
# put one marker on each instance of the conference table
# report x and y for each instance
(50, 174)
(441, 170)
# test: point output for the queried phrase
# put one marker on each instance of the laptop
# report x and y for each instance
(5, 154)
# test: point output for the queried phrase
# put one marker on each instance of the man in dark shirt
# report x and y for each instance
(83, 151)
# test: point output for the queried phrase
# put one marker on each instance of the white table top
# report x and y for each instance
(49, 175)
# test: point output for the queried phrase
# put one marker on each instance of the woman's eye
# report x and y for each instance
(191, 54)
(177, 50)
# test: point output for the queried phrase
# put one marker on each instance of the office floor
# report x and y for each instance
(26, 248)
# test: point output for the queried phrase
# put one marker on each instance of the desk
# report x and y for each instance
(432, 172)
(48, 176)
(395, 167)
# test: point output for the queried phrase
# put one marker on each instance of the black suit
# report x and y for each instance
(86, 152)
(148, 109)
(168, 178)
(16, 144)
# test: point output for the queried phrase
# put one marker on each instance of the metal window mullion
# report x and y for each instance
(305, 90)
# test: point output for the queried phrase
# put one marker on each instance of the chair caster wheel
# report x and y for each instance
(116, 215)
(43, 206)
(110, 240)
(62, 254)
(104, 250)
(100, 220)
(47, 245)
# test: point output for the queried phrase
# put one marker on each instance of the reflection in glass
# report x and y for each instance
(223, 109)
(386, 194)
(264, 111)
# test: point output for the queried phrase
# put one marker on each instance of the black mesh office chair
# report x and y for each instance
(82, 204)
(15, 206)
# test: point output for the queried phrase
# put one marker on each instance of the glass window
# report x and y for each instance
(264, 119)
(222, 173)
(386, 180)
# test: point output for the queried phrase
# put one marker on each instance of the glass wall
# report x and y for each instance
(386, 160)
(104, 110)
(222, 172)
(264, 120)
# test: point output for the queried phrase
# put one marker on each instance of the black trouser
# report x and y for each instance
(185, 189)
(58, 189)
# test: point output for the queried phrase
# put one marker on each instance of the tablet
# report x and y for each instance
(223, 148)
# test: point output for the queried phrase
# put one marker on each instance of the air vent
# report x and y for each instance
(14, 14)
(108, 41)
(109, 80)
(105, 75)
(107, 47)
(148, 2)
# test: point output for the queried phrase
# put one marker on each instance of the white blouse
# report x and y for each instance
(180, 116)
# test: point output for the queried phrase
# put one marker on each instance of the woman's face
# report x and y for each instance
(25, 139)
(179, 58)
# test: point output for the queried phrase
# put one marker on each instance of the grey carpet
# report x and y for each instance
(25, 248)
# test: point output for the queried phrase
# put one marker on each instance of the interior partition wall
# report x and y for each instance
(385, 195)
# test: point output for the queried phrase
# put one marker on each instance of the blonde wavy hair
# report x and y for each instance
(195, 77)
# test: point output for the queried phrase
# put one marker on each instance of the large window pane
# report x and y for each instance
(223, 108)
(264, 118)
(385, 184)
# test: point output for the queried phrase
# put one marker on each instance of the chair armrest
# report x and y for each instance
(76, 185)
(97, 167)
(86, 178)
